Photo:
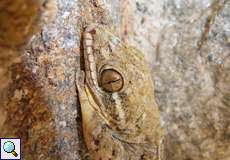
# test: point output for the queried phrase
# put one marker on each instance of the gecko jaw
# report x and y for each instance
(91, 76)
(89, 57)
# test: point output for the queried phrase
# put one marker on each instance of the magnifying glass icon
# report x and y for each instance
(9, 147)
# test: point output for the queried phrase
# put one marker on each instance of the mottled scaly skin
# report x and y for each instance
(123, 125)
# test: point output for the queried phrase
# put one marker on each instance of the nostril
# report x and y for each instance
(93, 31)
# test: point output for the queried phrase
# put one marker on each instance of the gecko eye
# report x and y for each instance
(111, 80)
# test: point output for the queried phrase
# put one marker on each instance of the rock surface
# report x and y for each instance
(187, 44)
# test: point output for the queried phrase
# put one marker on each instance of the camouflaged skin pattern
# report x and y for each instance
(122, 125)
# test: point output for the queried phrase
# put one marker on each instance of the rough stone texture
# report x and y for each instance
(186, 41)
(39, 105)
(18, 19)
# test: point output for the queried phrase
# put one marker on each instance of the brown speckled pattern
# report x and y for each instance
(125, 124)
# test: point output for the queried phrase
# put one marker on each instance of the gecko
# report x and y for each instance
(120, 117)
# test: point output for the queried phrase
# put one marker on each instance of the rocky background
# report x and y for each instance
(186, 42)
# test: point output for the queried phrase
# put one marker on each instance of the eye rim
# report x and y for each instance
(103, 69)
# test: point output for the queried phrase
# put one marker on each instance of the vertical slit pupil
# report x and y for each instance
(111, 80)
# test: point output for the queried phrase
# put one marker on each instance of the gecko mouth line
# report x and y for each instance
(117, 92)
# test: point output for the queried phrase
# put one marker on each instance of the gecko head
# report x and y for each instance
(123, 77)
